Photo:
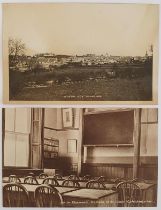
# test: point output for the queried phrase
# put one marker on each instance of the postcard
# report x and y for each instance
(109, 160)
(80, 53)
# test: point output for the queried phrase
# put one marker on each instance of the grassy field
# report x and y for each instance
(82, 89)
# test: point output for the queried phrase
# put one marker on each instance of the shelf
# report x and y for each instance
(51, 148)
(50, 154)
(56, 152)
(52, 139)
(108, 145)
(51, 145)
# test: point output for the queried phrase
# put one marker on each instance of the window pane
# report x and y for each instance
(9, 149)
(22, 150)
(22, 121)
(9, 119)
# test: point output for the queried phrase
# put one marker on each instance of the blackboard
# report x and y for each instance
(109, 128)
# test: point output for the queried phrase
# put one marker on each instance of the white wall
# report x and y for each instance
(53, 120)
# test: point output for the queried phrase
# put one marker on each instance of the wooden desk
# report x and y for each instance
(91, 198)
(109, 186)
(31, 190)
(81, 197)
(149, 189)
(5, 179)
(149, 193)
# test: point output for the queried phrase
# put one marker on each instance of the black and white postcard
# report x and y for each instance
(80, 52)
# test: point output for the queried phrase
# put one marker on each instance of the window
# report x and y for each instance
(17, 137)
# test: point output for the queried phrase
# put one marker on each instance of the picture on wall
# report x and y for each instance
(67, 117)
(72, 145)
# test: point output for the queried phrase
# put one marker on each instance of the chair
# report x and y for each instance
(93, 184)
(119, 180)
(15, 195)
(86, 177)
(58, 176)
(73, 177)
(30, 180)
(130, 194)
(101, 179)
(43, 176)
(70, 183)
(50, 181)
(47, 196)
(14, 178)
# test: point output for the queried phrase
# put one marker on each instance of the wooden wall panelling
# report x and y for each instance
(148, 171)
(136, 140)
(110, 171)
(123, 170)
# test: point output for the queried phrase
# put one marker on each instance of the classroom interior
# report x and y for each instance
(79, 157)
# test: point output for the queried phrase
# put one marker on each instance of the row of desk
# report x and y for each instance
(82, 197)
(74, 197)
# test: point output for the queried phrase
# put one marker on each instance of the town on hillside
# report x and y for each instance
(97, 76)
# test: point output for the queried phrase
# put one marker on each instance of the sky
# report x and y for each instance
(74, 28)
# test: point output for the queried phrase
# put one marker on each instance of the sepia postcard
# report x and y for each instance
(107, 158)
(80, 53)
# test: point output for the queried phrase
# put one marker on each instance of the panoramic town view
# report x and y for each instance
(80, 52)
(49, 76)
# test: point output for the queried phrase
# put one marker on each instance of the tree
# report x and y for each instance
(16, 49)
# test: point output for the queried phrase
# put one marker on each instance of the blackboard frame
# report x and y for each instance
(127, 128)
